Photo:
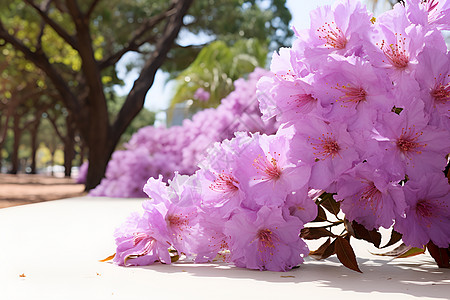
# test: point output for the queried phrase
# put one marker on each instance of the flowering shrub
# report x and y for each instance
(153, 151)
(365, 109)
(82, 172)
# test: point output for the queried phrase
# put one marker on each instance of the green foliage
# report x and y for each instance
(215, 69)
(231, 21)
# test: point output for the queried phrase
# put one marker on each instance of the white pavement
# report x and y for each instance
(51, 250)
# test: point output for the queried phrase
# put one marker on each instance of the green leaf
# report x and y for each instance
(314, 233)
(440, 255)
(346, 255)
(403, 251)
(361, 233)
(412, 252)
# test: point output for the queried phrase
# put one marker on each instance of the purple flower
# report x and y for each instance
(370, 196)
(287, 100)
(141, 241)
(355, 91)
(329, 148)
(201, 95)
(428, 211)
(153, 151)
(300, 204)
(408, 145)
(267, 171)
(177, 204)
(433, 75)
(429, 13)
(264, 240)
(339, 29)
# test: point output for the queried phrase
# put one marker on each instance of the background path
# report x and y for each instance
(25, 189)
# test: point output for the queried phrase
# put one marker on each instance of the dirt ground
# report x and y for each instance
(25, 189)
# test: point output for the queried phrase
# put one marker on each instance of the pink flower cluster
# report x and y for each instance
(365, 110)
(158, 150)
(369, 103)
(201, 95)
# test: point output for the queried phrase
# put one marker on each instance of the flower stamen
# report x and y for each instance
(396, 53)
(332, 35)
(351, 94)
(441, 93)
(326, 147)
(408, 143)
(268, 168)
(225, 183)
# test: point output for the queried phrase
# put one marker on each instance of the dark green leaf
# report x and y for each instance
(440, 255)
(346, 255)
(372, 236)
(314, 233)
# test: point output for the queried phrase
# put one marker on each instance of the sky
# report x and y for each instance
(160, 93)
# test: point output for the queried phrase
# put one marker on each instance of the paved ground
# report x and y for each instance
(24, 189)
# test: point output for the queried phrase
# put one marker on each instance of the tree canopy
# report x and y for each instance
(77, 45)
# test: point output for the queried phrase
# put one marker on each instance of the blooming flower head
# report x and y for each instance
(408, 145)
(429, 13)
(267, 172)
(338, 29)
(300, 204)
(177, 204)
(329, 148)
(371, 197)
(395, 46)
(264, 240)
(433, 75)
(354, 90)
(141, 240)
(428, 211)
(288, 101)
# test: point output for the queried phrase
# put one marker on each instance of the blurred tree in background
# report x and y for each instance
(215, 69)
(77, 44)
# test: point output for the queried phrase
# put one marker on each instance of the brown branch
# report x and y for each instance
(56, 27)
(37, 118)
(55, 126)
(134, 42)
(135, 99)
(43, 23)
(42, 62)
(91, 8)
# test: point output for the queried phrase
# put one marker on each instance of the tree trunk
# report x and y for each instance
(34, 146)
(69, 155)
(1, 158)
(104, 138)
(15, 153)
(69, 146)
